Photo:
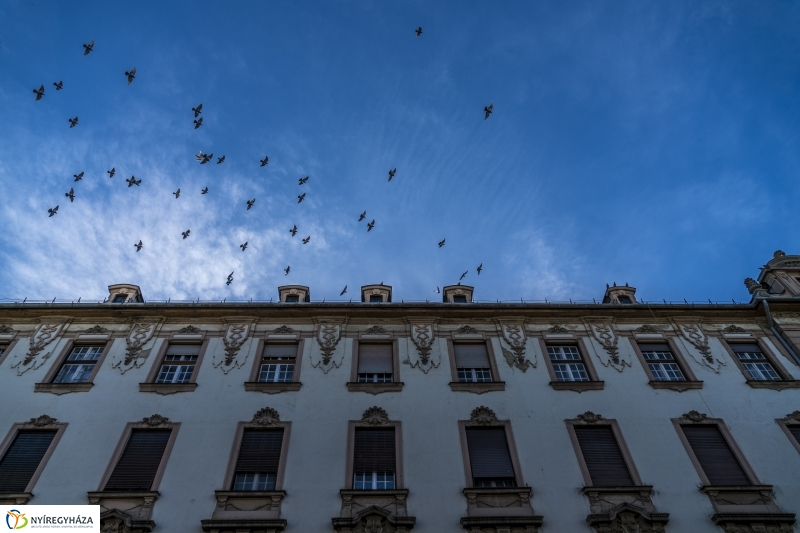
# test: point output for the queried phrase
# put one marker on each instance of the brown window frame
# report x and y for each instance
(253, 385)
(623, 447)
(594, 382)
(478, 388)
(786, 380)
(690, 382)
(59, 427)
(47, 384)
(150, 384)
(237, 444)
(512, 451)
(375, 388)
(9, 345)
(399, 484)
(790, 421)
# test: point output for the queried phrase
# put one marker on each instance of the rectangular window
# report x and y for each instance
(292, 298)
(489, 458)
(22, 459)
(374, 461)
(472, 362)
(754, 362)
(567, 363)
(138, 465)
(795, 431)
(277, 363)
(120, 299)
(374, 362)
(603, 456)
(459, 299)
(375, 298)
(179, 363)
(716, 458)
(661, 362)
(258, 460)
(79, 364)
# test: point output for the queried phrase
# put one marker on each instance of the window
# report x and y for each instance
(375, 298)
(139, 463)
(715, 457)
(79, 364)
(258, 460)
(602, 456)
(567, 363)
(120, 298)
(375, 362)
(277, 363)
(459, 299)
(22, 459)
(374, 459)
(754, 362)
(179, 363)
(292, 298)
(624, 299)
(489, 457)
(661, 362)
(472, 362)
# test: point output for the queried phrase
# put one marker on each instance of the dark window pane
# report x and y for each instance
(120, 299)
(292, 298)
(375, 298)
(471, 355)
(138, 465)
(715, 456)
(374, 450)
(280, 351)
(602, 456)
(259, 458)
(489, 457)
(22, 459)
(459, 299)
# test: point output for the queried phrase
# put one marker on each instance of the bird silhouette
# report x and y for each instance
(392, 173)
(305, 241)
(133, 181)
(488, 111)
(131, 75)
(250, 203)
(204, 191)
(437, 291)
(464, 275)
(265, 161)
(286, 270)
(441, 243)
(301, 197)
(177, 194)
(198, 122)
(243, 246)
(73, 122)
(88, 48)
(203, 158)
(343, 291)
(78, 177)
(197, 110)
(418, 31)
(186, 233)
(303, 180)
(480, 267)
(138, 245)
(370, 225)
(59, 85)
(39, 92)
(220, 160)
(293, 231)
(71, 195)
(111, 172)
(230, 278)
(53, 211)
(363, 216)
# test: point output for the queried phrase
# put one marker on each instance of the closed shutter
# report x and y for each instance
(138, 465)
(602, 456)
(374, 450)
(183, 349)
(22, 459)
(488, 453)
(795, 431)
(715, 456)
(260, 451)
(742, 347)
(471, 355)
(280, 351)
(374, 358)
(655, 347)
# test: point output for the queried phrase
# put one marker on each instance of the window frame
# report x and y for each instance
(594, 382)
(399, 483)
(791, 420)
(230, 472)
(512, 451)
(9, 345)
(623, 447)
(371, 387)
(269, 387)
(786, 380)
(690, 382)
(25, 496)
(150, 384)
(47, 385)
(475, 387)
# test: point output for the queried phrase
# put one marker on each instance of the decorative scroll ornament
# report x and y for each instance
(376, 330)
(734, 329)
(155, 420)
(139, 335)
(42, 420)
(633, 520)
(465, 330)
(514, 335)
(697, 338)
(604, 333)
(283, 330)
(5, 330)
(236, 333)
(266, 417)
(483, 416)
(328, 336)
(375, 416)
(557, 329)
(695, 416)
(794, 416)
(647, 328)
(590, 418)
(423, 335)
(96, 330)
(189, 330)
(42, 336)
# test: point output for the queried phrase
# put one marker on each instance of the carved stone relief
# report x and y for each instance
(189, 330)
(694, 334)
(603, 332)
(283, 330)
(590, 418)
(266, 417)
(514, 335)
(135, 354)
(375, 416)
(42, 337)
(374, 512)
(95, 330)
(422, 335)
(42, 421)
(376, 330)
(155, 420)
(237, 331)
(329, 333)
(6, 330)
(466, 330)
(483, 416)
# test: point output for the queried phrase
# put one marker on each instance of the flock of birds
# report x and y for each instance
(206, 158)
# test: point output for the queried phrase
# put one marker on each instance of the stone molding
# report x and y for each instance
(512, 331)
(602, 330)
(373, 511)
(477, 387)
(125, 512)
(47, 332)
(623, 510)
(422, 333)
(747, 509)
(329, 332)
(140, 334)
(253, 510)
(237, 331)
(692, 331)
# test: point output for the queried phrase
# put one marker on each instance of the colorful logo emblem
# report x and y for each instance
(16, 519)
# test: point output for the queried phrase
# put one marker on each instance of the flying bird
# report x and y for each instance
(88, 48)
(243, 246)
(204, 191)
(488, 111)
(286, 270)
(370, 225)
(303, 180)
(78, 177)
(480, 267)
(131, 75)
(59, 85)
(305, 241)
(177, 194)
(265, 161)
(186, 233)
(343, 291)
(250, 203)
(197, 110)
(111, 172)
(71, 195)
(418, 31)
(73, 122)
(392, 173)
(198, 122)
(53, 211)
(293, 231)
(464, 275)
(203, 158)
(363, 216)
(230, 278)
(39, 92)
(138, 245)
(441, 243)
(220, 160)
(437, 291)
(301, 197)
(133, 181)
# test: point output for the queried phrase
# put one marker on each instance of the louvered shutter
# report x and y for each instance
(137, 467)
(260, 451)
(280, 351)
(374, 450)
(488, 453)
(471, 355)
(183, 349)
(602, 456)
(22, 459)
(743, 347)
(795, 431)
(715, 456)
(374, 358)
(655, 347)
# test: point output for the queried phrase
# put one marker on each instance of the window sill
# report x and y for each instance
(272, 387)
(499, 502)
(375, 388)
(136, 506)
(63, 388)
(15, 498)
(745, 504)
(167, 388)
(679, 386)
(244, 526)
(249, 506)
(391, 504)
(605, 503)
(774, 385)
(577, 386)
(477, 388)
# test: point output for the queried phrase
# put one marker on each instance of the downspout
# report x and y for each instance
(777, 333)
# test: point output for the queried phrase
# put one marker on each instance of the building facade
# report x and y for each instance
(383, 417)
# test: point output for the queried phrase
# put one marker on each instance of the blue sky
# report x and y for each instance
(654, 143)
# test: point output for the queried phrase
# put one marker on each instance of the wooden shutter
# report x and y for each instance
(138, 465)
(488, 453)
(602, 456)
(374, 358)
(471, 355)
(715, 456)
(22, 459)
(280, 351)
(374, 450)
(260, 451)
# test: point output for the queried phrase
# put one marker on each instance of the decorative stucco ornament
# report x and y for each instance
(42, 421)
(558, 328)
(266, 417)
(695, 335)
(329, 333)
(695, 416)
(155, 420)
(95, 330)
(590, 417)
(422, 335)
(513, 333)
(375, 416)
(135, 354)
(283, 330)
(603, 332)
(189, 330)
(6, 330)
(483, 416)
(237, 332)
(376, 330)
(42, 337)
(466, 330)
